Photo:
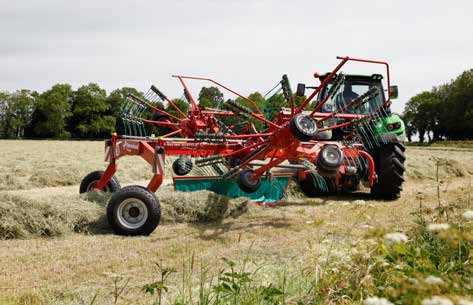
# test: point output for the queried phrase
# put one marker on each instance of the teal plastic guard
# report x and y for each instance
(270, 192)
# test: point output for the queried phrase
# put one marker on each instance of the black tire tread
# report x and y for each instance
(297, 133)
(309, 186)
(390, 169)
(113, 184)
(247, 188)
(142, 193)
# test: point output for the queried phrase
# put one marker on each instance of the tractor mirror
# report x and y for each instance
(394, 92)
(300, 90)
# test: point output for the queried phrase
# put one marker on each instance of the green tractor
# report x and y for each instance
(381, 134)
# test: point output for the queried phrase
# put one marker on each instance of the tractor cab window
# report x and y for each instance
(349, 91)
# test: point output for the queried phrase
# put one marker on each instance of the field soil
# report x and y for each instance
(56, 247)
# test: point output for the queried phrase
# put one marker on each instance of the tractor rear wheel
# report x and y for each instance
(311, 188)
(89, 182)
(134, 210)
(389, 161)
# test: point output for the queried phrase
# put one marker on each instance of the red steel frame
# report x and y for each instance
(279, 145)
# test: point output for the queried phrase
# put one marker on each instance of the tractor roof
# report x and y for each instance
(362, 76)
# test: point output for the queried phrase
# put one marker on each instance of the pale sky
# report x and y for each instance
(247, 45)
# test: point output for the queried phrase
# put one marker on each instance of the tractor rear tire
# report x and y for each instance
(389, 162)
(89, 182)
(311, 189)
(134, 210)
(246, 182)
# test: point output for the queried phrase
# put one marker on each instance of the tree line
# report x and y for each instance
(89, 113)
(443, 113)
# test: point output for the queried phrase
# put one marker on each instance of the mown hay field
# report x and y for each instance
(56, 248)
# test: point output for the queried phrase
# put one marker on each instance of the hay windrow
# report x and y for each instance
(22, 217)
(56, 215)
(200, 207)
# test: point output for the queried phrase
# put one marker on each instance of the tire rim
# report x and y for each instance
(91, 186)
(249, 179)
(132, 213)
(307, 124)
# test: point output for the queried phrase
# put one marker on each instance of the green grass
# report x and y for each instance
(428, 264)
(328, 250)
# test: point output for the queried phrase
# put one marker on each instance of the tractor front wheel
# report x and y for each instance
(134, 210)
(89, 182)
(390, 170)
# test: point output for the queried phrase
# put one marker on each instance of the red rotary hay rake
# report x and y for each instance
(241, 143)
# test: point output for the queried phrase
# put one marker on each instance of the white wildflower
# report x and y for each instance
(468, 215)
(436, 300)
(413, 281)
(395, 238)
(433, 280)
(438, 227)
(376, 301)
(465, 302)
(359, 202)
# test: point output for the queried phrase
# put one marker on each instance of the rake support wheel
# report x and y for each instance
(389, 162)
(247, 183)
(182, 166)
(134, 210)
(303, 127)
(89, 182)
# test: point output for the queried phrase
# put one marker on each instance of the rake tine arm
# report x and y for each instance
(322, 85)
(335, 126)
(164, 97)
(242, 150)
(222, 86)
(218, 112)
(261, 170)
(137, 99)
(169, 124)
(172, 133)
(358, 101)
(188, 93)
(334, 89)
(287, 91)
(349, 136)
(254, 155)
(256, 135)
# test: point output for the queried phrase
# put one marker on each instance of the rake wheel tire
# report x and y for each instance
(311, 189)
(247, 183)
(88, 183)
(134, 210)
(182, 167)
(303, 127)
(330, 165)
(389, 163)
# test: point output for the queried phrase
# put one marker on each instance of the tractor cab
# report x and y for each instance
(353, 87)
(386, 126)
